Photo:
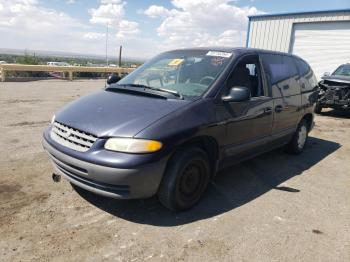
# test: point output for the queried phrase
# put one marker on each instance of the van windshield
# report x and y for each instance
(187, 72)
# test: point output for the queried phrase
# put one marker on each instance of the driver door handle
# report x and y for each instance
(278, 108)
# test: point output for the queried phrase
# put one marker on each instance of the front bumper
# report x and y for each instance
(336, 103)
(122, 183)
(334, 98)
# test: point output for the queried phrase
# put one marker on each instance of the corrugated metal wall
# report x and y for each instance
(274, 32)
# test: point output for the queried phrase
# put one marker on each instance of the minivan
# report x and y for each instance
(168, 127)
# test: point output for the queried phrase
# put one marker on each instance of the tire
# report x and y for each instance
(318, 108)
(299, 139)
(185, 179)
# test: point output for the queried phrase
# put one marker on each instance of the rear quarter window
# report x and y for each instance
(307, 75)
(303, 67)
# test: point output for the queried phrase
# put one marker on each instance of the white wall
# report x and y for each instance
(274, 32)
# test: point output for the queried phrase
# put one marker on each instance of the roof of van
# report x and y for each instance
(240, 50)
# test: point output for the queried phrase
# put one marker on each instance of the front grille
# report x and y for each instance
(72, 138)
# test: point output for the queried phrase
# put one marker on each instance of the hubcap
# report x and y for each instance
(302, 136)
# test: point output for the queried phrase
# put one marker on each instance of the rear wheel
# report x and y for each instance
(297, 143)
(185, 179)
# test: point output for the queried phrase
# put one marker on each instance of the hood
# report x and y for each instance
(106, 113)
(340, 79)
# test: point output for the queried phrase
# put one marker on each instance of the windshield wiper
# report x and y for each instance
(173, 92)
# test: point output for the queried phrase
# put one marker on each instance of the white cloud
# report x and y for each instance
(157, 11)
(111, 12)
(127, 29)
(110, 1)
(202, 22)
(93, 36)
(27, 24)
(27, 15)
(70, 2)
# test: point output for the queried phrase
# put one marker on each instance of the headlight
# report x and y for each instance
(131, 145)
(53, 119)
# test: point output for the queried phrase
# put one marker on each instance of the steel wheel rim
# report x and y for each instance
(191, 182)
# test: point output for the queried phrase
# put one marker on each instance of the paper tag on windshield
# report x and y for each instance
(218, 53)
(175, 62)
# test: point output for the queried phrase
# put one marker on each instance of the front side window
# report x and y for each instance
(247, 74)
(188, 72)
(343, 70)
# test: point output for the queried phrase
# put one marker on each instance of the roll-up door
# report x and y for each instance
(324, 45)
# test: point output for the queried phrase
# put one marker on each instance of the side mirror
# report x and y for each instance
(237, 94)
(326, 74)
(113, 78)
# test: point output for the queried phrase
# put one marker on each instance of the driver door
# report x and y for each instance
(248, 123)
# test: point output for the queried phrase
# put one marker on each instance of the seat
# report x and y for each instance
(241, 77)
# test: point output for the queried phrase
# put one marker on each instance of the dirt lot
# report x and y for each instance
(273, 208)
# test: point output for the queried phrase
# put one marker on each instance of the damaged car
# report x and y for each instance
(335, 90)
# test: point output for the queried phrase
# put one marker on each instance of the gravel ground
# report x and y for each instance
(275, 207)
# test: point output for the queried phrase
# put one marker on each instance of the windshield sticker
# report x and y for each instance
(176, 62)
(218, 53)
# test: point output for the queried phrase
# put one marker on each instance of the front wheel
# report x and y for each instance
(185, 179)
(297, 143)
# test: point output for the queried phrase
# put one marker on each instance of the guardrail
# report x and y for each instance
(4, 68)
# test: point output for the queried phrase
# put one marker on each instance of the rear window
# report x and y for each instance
(279, 67)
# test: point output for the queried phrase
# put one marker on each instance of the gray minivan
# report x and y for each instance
(169, 126)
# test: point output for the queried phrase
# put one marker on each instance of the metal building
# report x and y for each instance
(322, 38)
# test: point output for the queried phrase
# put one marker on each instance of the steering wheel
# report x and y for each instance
(154, 77)
(206, 78)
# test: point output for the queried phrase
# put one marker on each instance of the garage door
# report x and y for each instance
(324, 45)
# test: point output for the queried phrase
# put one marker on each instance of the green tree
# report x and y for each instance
(27, 60)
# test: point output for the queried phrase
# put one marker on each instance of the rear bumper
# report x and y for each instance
(122, 183)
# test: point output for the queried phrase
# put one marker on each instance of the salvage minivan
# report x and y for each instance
(168, 127)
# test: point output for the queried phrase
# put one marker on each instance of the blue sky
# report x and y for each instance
(144, 28)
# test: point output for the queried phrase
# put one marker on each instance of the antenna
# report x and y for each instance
(107, 45)
(106, 53)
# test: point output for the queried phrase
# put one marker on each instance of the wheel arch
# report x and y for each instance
(208, 144)
(309, 118)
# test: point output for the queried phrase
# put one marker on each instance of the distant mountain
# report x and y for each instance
(43, 53)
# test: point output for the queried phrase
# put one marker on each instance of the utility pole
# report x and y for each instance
(106, 53)
(107, 45)
(120, 56)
